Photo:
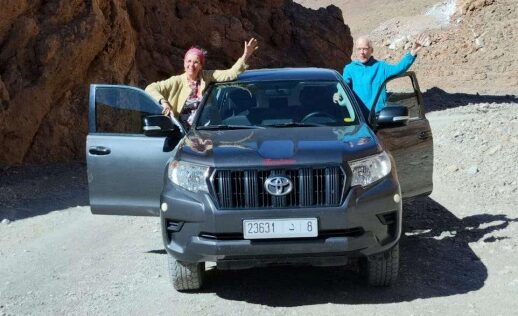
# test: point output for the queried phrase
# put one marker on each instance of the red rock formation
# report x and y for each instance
(51, 50)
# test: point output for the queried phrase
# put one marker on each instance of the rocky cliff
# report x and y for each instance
(50, 51)
(475, 51)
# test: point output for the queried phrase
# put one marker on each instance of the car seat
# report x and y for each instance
(240, 101)
(317, 99)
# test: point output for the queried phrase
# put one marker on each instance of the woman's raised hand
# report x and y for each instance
(250, 47)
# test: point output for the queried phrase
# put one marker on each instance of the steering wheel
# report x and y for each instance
(316, 114)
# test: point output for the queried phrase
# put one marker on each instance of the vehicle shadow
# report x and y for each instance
(436, 99)
(29, 191)
(436, 261)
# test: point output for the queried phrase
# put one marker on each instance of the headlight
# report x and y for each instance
(188, 176)
(370, 169)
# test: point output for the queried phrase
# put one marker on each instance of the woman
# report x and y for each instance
(180, 95)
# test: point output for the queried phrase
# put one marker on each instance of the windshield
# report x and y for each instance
(276, 104)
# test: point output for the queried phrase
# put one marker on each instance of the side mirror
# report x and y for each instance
(159, 126)
(392, 116)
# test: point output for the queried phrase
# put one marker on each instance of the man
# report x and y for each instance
(366, 74)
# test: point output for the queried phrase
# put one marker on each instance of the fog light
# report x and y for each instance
(163, 207)
(397, 198)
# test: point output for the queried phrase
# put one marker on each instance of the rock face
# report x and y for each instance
(468, 6)
(50, 51)
(474, 53)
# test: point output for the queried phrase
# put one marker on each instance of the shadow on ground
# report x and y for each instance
(436, 99)
(436, 261)
(36, 190)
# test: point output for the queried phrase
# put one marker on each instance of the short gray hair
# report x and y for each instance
(364, 38)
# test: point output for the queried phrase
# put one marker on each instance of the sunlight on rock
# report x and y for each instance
(442, 11)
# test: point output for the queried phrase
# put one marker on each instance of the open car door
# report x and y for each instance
(125, 168)
(411, 143)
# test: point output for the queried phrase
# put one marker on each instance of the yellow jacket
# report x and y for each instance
(176, 89)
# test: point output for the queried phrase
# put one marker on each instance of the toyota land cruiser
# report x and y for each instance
(279, 167)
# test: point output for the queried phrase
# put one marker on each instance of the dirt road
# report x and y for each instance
(458, 251)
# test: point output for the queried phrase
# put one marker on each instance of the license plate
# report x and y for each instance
(280, 228)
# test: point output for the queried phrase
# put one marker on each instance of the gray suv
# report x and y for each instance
(280, 166)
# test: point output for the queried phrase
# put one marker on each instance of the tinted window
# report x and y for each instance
(122, 109)
(400, 91)
(270, 103)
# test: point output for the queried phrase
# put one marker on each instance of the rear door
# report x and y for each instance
(411, 145)
(125, 168)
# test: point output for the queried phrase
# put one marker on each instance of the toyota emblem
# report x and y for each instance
(278, 185)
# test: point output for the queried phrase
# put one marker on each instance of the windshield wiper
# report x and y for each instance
(224, 126)
(294, 124)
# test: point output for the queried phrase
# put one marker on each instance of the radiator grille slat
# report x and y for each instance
(332, 185)
(224, 189)
(251, 192)
(316, 186)
(306, 187)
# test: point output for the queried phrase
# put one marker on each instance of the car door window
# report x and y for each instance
(122, 110)
(401, 91)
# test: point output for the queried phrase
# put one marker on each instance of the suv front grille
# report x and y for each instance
(321, 186)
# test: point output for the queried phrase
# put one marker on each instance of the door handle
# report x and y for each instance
(99, 150)
(423, 135)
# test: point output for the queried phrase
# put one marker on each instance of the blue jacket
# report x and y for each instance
(366, 79)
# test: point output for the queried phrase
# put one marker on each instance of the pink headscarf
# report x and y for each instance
(201, 53)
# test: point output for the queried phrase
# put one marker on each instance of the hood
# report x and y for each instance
(278, 146)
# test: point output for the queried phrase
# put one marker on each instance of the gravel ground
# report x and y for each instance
(458, 252)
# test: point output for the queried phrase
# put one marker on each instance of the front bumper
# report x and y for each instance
(367, 222)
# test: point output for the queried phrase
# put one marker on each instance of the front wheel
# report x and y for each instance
(186, 276)
(382, 269)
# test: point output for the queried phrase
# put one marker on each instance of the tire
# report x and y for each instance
(186, 276)
(382, 269)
